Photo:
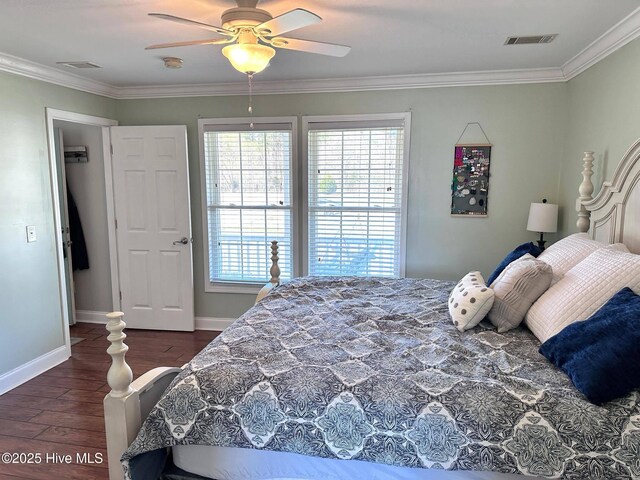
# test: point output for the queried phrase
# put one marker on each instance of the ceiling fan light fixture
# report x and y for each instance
(244, 26)
(249, 58)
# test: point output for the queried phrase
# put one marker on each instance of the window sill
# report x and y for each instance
(230, 287)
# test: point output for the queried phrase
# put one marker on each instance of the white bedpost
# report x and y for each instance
(586, 192)
(275, 268)
(274, 271)
(121, 404)
(120, 375)
(129, 402)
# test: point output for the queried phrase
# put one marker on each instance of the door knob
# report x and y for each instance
(182, 241)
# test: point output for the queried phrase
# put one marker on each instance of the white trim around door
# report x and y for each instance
(51, 116)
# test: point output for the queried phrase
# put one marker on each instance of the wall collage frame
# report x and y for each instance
(470, 180)
(470, 183)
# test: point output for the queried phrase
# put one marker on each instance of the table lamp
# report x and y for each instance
(543, 218)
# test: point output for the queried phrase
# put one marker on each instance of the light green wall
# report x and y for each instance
(31, 319)
(526, 124)
(603, 116)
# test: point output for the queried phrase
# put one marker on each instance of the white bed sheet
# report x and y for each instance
(229, 463)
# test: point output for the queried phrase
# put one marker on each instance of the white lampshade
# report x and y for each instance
(249, 58)
(543, 218)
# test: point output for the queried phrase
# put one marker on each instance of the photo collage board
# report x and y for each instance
(470, 184)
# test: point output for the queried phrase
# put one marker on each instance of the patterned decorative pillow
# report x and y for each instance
(516, 288)
(568, 252)
(469, 302)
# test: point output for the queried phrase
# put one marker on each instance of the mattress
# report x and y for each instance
(228, 463)
(373, 370)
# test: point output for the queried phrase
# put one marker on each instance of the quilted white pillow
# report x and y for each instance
(568, 252)
(583, 290)
(519, 285)
(469, 302)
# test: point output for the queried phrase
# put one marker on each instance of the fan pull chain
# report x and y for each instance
(250, 100)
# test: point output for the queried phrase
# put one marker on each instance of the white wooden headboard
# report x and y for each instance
(613, 215)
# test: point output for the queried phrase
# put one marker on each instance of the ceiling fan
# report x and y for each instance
(252, 32)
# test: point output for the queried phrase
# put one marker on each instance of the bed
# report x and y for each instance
(368, 378)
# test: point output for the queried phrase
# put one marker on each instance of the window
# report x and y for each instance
(357, 187)
(353, 210)
(248, 188)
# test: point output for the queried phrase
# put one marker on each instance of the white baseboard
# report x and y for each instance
(211, 323)
(90, 316)
(202, 323)
(35, 367)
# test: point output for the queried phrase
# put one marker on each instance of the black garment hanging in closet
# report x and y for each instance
(79, 253)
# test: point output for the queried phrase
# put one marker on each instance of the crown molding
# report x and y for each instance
(616, 37)
(613, 39)
(355, 84)
(37, 71)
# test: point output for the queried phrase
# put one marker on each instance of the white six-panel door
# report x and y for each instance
(153, 226)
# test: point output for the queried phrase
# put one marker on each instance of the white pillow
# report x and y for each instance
(568, 252)
(469, 302)
(583, 290)
(519, 285)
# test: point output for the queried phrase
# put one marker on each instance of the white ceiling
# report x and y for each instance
(392, 37)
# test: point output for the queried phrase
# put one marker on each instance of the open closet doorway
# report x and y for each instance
(84, 221)
(79, 145)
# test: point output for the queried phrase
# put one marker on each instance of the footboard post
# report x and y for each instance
(121, 404)
(586, 192)
(274, 271)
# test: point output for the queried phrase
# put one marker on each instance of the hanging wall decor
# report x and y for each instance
(470, 184)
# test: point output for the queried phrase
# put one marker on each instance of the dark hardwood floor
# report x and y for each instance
(60, 412)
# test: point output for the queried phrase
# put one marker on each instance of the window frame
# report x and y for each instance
(225, 286)
(405, 117)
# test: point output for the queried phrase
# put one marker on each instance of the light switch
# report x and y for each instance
(31, 233)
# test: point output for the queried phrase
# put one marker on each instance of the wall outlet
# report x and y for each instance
(31, 233)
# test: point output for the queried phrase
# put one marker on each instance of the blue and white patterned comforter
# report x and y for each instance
(372, 369)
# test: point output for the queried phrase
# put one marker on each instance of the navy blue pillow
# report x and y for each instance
(518, 252)
(601, 355)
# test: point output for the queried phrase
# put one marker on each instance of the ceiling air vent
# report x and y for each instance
(78, 64)
(532, 39)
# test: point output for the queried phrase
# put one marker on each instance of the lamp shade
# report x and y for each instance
(543, 218)
(249, 58)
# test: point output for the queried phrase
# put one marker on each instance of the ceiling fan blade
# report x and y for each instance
(193, 23)
(188, 43)
(286, 22)
(311, 47)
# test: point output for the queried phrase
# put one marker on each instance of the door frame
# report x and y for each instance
(51, 115)
(64, 212)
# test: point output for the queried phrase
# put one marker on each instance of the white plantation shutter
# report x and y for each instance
(248, 199)
(356, 197)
